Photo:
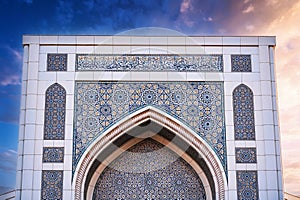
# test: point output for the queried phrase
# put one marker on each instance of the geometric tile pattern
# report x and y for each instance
(247, 185)
(241, 63)
(149, 170)
(146, 62)
(57, 62)
(55, 108)
(53, 154)
(52, 185)
(198, 105)
(243, 110)
(245, 155)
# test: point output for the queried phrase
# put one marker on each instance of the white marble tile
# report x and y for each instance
(33, 68)
(177, 50)
(48, 49)
(58, 143)
(67, 194)
(47, 76)
(84, 76)
(31, 101)
(229, 133)
(121, 75)
(37, 180)
(231, 163)
(69, 132)
(102, 76)
(28, 147)
(121, 49)
(48, 39)
(85, 49)
(121, 40)
(103, 49)
(31, 87)
(249, 50)
(85, 39)
(29, 133)
(232, 41)
(257, 102)
(71, 62)
(268, 132)
(226, 63)
(267, 117)
(158, 40)
(259, 133)
(31, 39)
(261, 163)
(140, 76)
(249, 41)
(103, 40)
(231, 50)
(27, 194)
(250, 77)
(255, 63)
(22, 117)
(233, 77)
(67, 185)
(262, 180)
(63, 39)
(267, 40)
(228, 103)
(34, 53)
(230, 148)
(68, 147)
(270, 147)
(68, 162)
(174, 40)
(195, 50)
(271, 162)
(42, 63)
(66, 49)
(139, 40)
(213, 40)
(272, 181)
(158, 50)
(69, 117)
(39, 134)
(214, 76)
(213, 50)
(28, 162)
(232, 178)
(229, 118)
(264, 54)
(30, 117)
(176, 76)
(38, 147)
(140, 49)
(65, 76)
(195, 40)
(158, 76)
(195, 76)
(266, 102)
(265, 73)
(38, 159)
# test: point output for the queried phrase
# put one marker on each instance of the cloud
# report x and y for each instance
(8, 161)
(186, 6)
(249, 9)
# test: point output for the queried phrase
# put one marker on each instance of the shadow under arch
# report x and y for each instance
(170, 127)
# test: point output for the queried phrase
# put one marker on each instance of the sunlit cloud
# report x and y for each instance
(249, 9)
(8, 161)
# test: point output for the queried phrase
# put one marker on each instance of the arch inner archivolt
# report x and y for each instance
(187, 145)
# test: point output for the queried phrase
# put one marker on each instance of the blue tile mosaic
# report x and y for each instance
(243, 111)
(55, 108)
(99, 105)
(52, 185)
(149, 170)
(57, 62)
(53, 154)
(245, 155)
(247, 185)
(149, 62)
(241, 63)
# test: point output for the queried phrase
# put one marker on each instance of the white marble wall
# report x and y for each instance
(36, 80)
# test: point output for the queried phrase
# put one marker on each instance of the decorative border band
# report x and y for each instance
(149, 62)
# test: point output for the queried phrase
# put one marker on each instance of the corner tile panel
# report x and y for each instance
(57, 62)
(247, 185)
(53, 154)
(55, 108)
(243, 111)
(245, 155)
(198, 105)
(149, 62)
(241, 63)
(52, 185)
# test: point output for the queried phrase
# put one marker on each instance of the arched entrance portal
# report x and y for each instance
(103, 163)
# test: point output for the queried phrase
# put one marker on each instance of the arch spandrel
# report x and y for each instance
(164, 120)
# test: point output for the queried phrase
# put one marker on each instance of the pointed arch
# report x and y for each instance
(243, 111)
(166, 121)
(55, 112)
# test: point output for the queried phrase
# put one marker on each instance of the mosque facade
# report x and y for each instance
(149, 117)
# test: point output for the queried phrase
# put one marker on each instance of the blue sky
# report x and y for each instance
(191, 17)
